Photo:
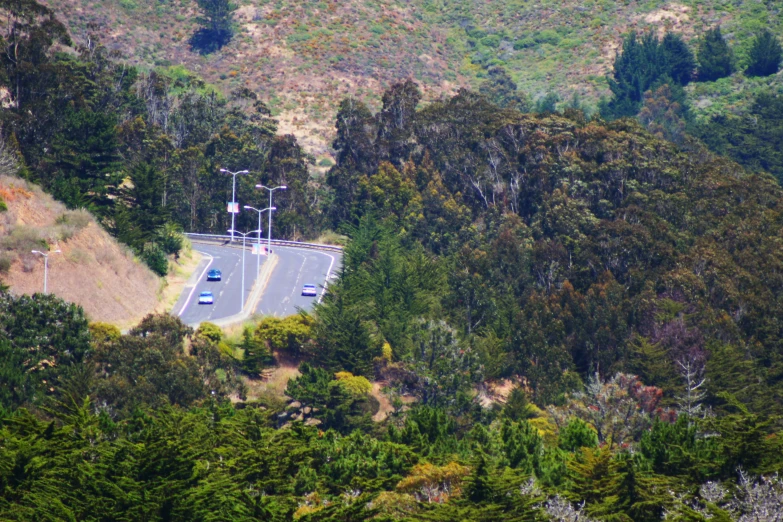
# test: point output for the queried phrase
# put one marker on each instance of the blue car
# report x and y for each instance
(309, 290)
(206, 298)
(214, 275)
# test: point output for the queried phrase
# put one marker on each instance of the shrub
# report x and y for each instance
(209, 331)
(357, 386)
(3, 205)
(5, 263)
(289, 334)
(524, 43)
(548, 36)
(492, 40)
(155, 258)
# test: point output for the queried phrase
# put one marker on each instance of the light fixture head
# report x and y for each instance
(223, 170)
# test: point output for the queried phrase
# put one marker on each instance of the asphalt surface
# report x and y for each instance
(226, 291)
(282, 295)
(295, 268)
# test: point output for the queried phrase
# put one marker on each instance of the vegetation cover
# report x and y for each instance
(628, 287)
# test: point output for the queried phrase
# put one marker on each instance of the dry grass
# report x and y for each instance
(92, 269)
(274, 385)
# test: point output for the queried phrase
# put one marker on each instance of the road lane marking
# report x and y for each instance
(197, 282)
(328, 273)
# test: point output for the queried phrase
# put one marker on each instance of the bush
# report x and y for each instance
(524, 43)
(289, 334)
(5, 263)
(3, 206)
(155, 259)
(209, 331)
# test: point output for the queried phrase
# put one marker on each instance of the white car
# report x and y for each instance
(206, 298)
(309, 290)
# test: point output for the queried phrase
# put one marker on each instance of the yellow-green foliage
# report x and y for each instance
(386, 352)
(209, 331)
(288, 334)
(101, 333)
(355, 385)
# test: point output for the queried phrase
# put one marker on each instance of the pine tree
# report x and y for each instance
(680, 62)
(636, 68)
(216, 30)
(716, 59)
(765, 55)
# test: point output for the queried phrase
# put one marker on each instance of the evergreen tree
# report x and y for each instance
(716, 59)
(680, 62)
(216, 22)
(641, 62)
(765, 55)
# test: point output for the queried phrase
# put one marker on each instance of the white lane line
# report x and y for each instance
(328, 273)
(184, 307)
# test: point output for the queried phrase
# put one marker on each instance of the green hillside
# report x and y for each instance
(302, 57)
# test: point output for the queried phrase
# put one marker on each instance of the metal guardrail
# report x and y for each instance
(215, 238)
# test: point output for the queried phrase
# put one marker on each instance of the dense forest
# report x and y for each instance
(622, 276)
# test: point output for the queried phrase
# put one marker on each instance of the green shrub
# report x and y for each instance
(155, 258)
(209, 331)
(524, 43)
(548, 36)
(3, 205)
(5, 263)
(492, 40)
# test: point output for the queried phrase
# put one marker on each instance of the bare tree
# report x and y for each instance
(560, 510)
(690, 401)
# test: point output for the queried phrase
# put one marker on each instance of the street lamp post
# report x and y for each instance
(269, 225)
(233, 194)
(244, 235)
(258, 244)
(46, 265)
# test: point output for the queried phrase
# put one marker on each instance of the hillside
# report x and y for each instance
(93, 270)
(303, 57)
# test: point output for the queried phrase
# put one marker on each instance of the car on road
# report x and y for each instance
(206, 298)
(309, 290)
(214, 275)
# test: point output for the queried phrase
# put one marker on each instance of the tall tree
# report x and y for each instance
(765, 55)
(680, 62)
(716, 59)
(216, 30)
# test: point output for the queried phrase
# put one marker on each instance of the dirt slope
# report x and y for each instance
(92, 270)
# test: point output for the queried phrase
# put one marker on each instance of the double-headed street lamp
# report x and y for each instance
(233, 195)
(244, 235)
(46, 264)
(269, 225)
(258, 245)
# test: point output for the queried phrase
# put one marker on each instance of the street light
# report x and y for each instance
(233, 194)
(258, 244)
(269, 225)
(242, 295)
(46, 264)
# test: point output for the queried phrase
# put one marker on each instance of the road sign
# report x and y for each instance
(232, 208)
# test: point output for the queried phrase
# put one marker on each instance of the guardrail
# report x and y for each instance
(215, 238)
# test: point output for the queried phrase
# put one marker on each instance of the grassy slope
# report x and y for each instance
(92, 270)
(304, 56)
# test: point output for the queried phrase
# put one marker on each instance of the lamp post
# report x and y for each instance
(46, 265)
(258, 244)
(233, 194)
(269, 225)
(244, 235)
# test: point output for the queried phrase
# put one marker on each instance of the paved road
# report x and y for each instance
(296, 267)
(227, 290)
(282, 295)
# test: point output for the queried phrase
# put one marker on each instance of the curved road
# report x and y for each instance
(282, 295)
